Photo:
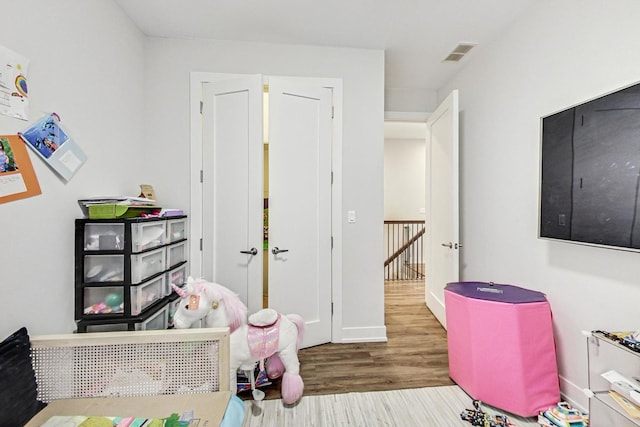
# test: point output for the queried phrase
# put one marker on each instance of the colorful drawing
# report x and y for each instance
(21, 85)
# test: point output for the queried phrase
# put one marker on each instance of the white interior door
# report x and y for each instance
(232, 206)
(442, 204)
(300, 204)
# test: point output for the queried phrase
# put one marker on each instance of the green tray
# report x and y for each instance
(112, 210)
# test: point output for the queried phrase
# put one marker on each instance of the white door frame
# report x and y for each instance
(196, 197)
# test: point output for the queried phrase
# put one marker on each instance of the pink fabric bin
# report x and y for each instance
(501, 347)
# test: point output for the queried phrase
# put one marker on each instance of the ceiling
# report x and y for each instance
(416, 35)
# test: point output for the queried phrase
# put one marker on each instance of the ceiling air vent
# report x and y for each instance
(459, 51)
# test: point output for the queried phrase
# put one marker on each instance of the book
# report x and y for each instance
(80, 420)
(623, 385)
(629, 407)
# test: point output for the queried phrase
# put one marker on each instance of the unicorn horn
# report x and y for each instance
(179, 291)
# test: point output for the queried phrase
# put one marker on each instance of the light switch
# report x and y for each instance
(351, 216)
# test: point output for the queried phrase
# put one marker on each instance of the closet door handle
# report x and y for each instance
(253, 251)
(276, 250)
(447, 245)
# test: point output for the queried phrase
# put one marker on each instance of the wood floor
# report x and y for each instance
(415, 354)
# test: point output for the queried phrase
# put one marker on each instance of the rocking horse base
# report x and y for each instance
(244, 381)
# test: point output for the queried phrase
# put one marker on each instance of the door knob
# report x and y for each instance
(447, 245)
(253, 251)
(276, 250)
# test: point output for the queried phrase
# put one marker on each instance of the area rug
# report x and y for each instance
(430, 407)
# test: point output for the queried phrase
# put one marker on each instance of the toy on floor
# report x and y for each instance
(563, 415)
(478, 417)
(277, 337)
(219, 307)
(267, 335)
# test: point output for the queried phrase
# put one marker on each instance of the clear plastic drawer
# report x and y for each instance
(177, 276)
(176, 229)
(103, 300)
(147, 235)
(103, 237)
(147, 264)
(156, 322)
(142, 296)
(176, 254)
(103, 268)
(107, 327)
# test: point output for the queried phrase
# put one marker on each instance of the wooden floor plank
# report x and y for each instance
(415, 354)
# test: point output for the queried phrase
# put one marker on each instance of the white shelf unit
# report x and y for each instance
(606, 354)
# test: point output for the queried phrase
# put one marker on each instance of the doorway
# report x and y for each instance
(404, 200)
(440, 196)
(289, 97)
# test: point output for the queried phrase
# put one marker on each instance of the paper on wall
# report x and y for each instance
(13, 84)
(51, 142)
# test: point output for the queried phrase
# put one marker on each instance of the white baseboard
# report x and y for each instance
(365, 334)
(573, 394)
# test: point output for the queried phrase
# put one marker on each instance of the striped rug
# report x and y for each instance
(429, 407)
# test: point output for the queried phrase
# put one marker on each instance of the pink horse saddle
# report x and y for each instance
(263, 339)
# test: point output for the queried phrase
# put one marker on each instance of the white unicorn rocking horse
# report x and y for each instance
(267, 335)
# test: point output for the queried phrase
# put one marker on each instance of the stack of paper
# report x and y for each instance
(116, 204)
(625, 391)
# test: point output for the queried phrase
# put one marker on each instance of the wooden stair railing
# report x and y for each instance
(404, 247)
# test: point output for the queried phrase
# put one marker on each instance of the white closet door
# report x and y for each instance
(232, 186)
(300, 204)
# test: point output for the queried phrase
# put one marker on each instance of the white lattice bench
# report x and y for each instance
(131, 364)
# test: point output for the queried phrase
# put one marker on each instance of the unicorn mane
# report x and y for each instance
(236, 310)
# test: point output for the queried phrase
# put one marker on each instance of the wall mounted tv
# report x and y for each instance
(590, 172)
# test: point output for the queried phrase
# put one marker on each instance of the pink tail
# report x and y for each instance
(299, 322)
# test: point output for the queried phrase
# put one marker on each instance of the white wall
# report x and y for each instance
(125, 100)
(404, 179)
(169, 63)
(86, 64)
(409, 100)
(560, 53)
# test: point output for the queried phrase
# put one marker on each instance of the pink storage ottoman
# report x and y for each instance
(501, 346)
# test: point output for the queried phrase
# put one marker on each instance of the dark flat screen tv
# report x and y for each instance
(590, 172)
